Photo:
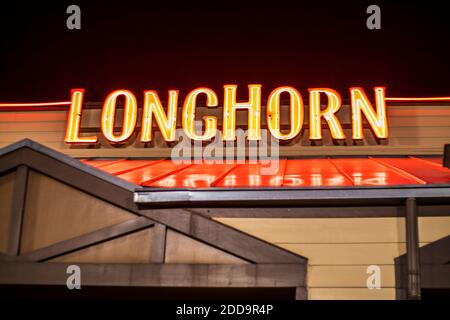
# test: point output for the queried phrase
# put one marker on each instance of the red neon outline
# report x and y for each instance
(35, 104)
(418, 99)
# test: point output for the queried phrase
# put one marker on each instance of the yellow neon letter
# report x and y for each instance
(167, 123)
(189, 114)
(109, 116)
(376, 119)
(296, 113)
(254, 112)
(329, 114)
(74, 120)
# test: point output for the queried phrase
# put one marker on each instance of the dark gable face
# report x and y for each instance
(146, 45)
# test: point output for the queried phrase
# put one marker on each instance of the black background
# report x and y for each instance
(153, 45)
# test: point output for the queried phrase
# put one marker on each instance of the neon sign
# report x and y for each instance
(166, 116)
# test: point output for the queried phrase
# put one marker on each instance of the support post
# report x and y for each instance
(159, 243)
(412, 250)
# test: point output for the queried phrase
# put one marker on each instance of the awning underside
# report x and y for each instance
(295, 173)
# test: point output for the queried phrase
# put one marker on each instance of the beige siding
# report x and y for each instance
(351, 294)
(345, 276)
(50, 203)
(433, 228)
(6, 195)
(182, 249)
(348, 253)
(132, 248)
(419, 129)
(339, 250)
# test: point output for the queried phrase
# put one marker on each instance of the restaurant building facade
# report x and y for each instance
(346, 218)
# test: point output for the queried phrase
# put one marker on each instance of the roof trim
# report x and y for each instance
(370, 195)
(30, 144)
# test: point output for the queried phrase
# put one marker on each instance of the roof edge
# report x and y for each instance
(61, 157)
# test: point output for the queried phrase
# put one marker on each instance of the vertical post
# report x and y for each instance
(18, 207)
(412, 249)
(159, 243)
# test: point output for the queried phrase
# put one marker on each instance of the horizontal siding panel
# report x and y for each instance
(425, 132)
(162, 151)
(443, 111)
(418, 121)
(433, 228)
(428, 138)
(348, 253)
(363, 150)
(413, 130)
(348, 276)
(39, 136)
(415, 142)
(33, 116)
(32, 126)
(319, 230)
(351, 294)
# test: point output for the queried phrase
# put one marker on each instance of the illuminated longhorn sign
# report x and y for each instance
(166, 118)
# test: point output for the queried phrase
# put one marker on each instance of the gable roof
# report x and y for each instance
(118, 192)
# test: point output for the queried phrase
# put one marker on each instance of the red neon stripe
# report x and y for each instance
(418, 99)
(67, 103)
(35, 104)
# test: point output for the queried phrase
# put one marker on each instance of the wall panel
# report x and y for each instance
(339, 250)
(132, 248)
(56, 212)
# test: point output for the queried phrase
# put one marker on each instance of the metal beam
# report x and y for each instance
(222, 237)
(88, 239)
(288, 196)
(159, 275)
(317, 212)
(412, 249)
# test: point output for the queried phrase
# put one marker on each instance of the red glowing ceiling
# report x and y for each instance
(320, 172)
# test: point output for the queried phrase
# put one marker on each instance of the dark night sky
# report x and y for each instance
(171, 45)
